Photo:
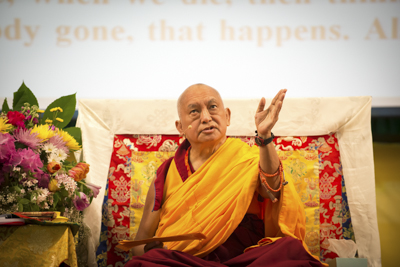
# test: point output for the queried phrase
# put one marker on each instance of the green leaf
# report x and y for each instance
(76, 133)
(34, 207)
(67, 103)
(23, 201)
(20, 207)
(20, 145)
(64, 193)
(22, 96)
(56, 198)
(5, 108)
(17, 189)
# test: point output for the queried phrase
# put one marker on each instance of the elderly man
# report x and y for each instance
(224, 189)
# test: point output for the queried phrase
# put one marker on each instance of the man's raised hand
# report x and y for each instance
(266, 119)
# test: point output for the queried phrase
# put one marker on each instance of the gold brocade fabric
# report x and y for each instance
(36, 245)
(302, 167)
(144, 166)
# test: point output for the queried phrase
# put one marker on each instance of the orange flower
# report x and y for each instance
(79, 172)
(53, 166)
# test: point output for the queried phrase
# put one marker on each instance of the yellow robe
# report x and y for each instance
(215, 198)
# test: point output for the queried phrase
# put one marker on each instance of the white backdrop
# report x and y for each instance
(146, 49)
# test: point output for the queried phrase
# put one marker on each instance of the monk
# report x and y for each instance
(236, 195)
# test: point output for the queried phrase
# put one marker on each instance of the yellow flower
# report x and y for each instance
(56, 109)
(59, 119)
(40, 111)
(48, 121)
(71, 143)
(44, 131)
(4, 126)
(53, 185)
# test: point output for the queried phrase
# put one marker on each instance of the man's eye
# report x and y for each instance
(193, 111)
(213, 106)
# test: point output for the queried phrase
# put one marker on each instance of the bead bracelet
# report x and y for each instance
(264, 175)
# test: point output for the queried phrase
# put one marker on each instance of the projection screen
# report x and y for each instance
(145, 49)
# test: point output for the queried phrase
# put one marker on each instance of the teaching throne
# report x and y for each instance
(325, 145)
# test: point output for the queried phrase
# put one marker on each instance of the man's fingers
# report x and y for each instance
(261, 105)
(274, 111)
(279, 96)
(279, 107)
(283, 94)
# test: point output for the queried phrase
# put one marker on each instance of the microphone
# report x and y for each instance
(189, 127)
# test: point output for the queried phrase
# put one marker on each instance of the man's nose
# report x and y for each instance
(205, 116)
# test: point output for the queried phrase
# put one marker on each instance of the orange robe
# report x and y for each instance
(215, 198)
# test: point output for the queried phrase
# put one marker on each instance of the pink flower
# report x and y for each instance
(7, 147)
(59, 143)
(81, 202)
(95, 189)
(28, 160)
(16, 118)
(27, 138)
(69, 184)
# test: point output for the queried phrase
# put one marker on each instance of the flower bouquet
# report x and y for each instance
(38, 170)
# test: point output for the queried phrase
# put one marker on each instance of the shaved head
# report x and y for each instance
(191, 89)
(203, 119)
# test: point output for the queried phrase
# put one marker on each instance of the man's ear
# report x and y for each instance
(228, 116)
(178, 126)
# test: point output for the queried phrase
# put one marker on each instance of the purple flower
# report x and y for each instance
(27, 138)
(43, 179)
(7, 147)
(81, 202)
(95, 189)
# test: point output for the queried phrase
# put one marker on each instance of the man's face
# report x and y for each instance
(202, 108)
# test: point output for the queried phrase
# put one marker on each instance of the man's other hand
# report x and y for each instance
(153, 245)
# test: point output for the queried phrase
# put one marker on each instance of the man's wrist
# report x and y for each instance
(263, 140)
(264, 135)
